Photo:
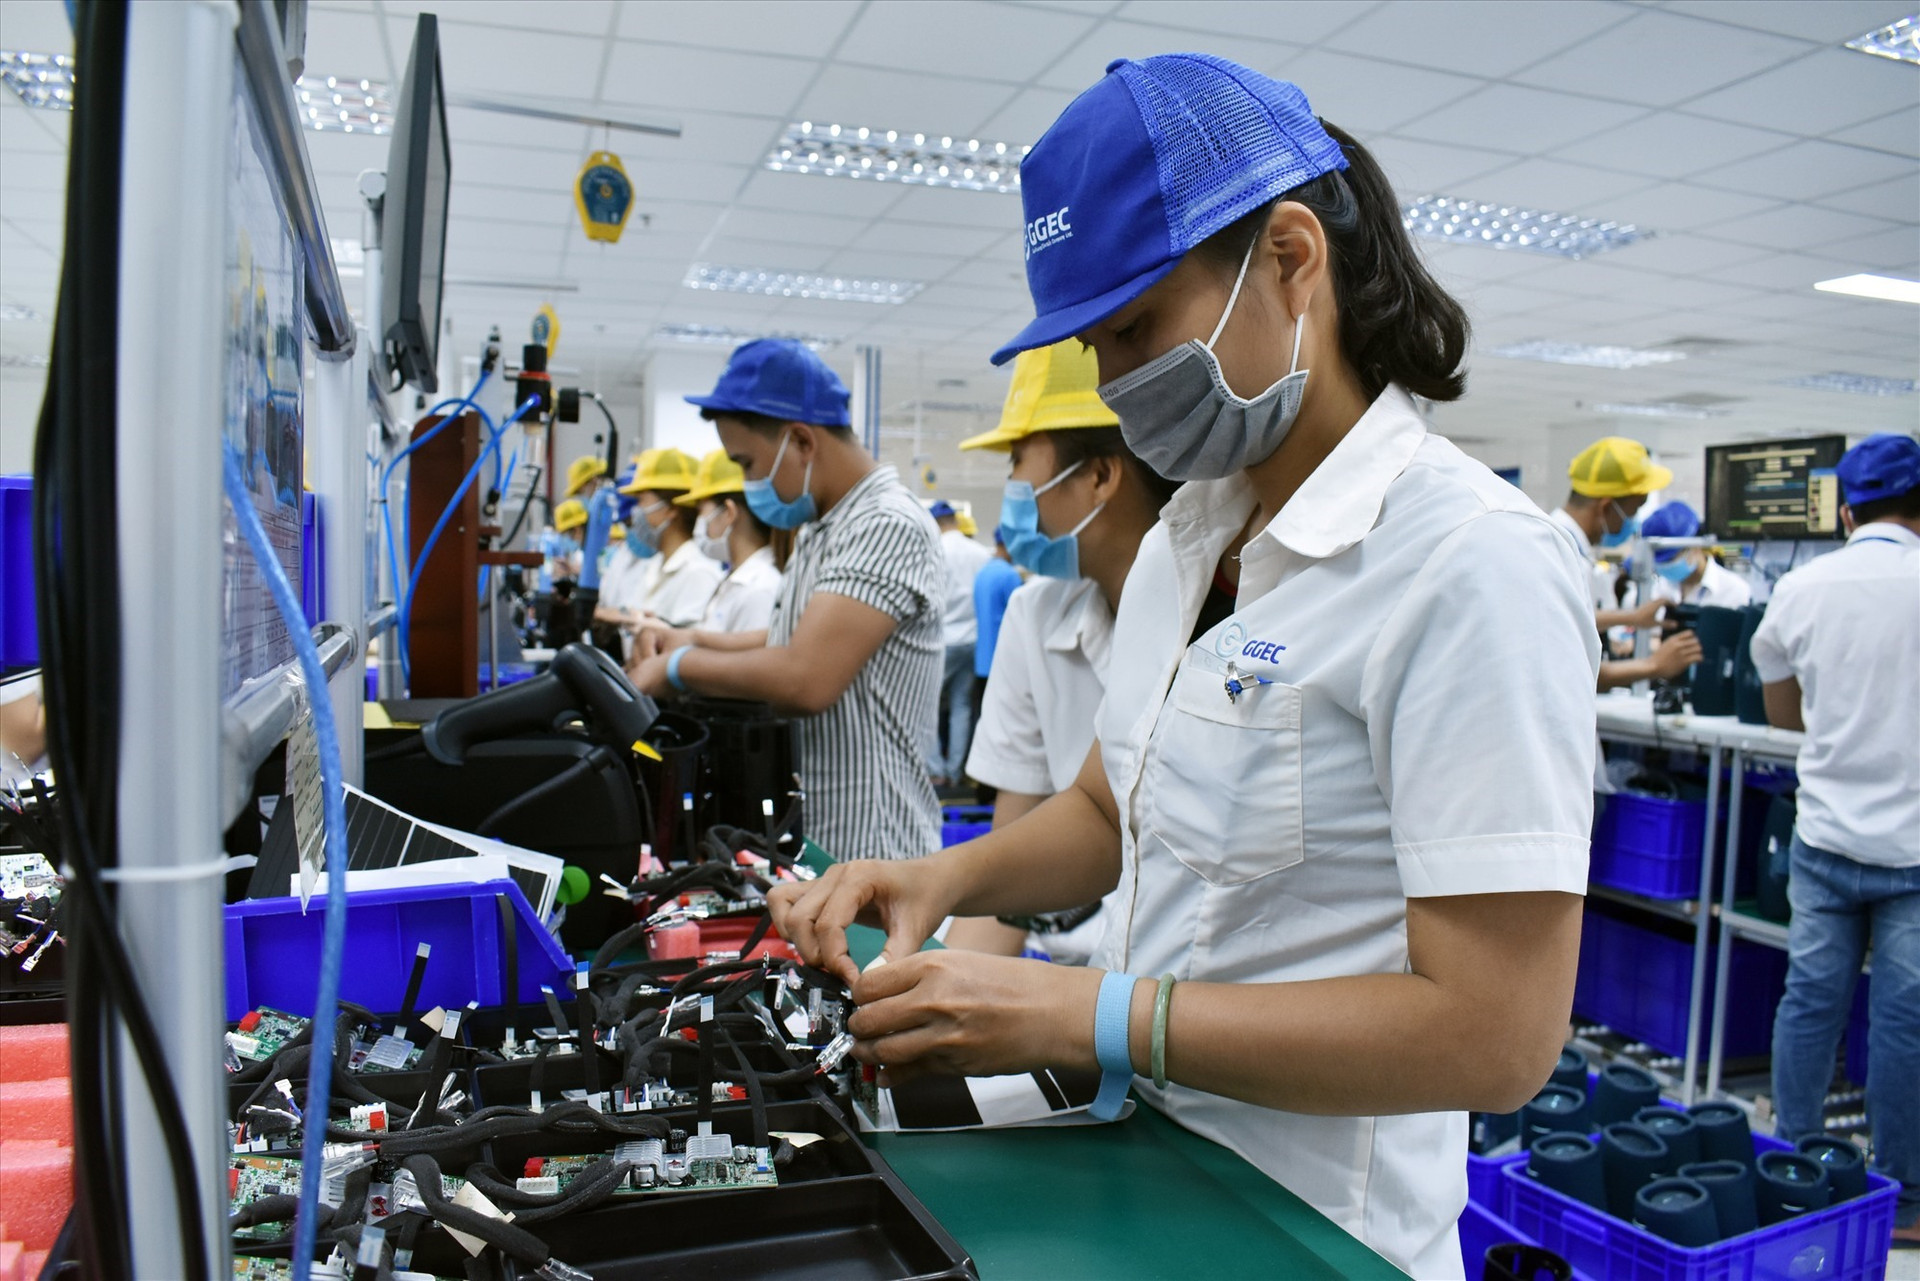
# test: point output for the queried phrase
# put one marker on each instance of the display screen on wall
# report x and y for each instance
(1775, 488)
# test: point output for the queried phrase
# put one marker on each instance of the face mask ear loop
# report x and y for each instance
(1075, 531)
(1234, 296)
(779, 454)
(1299, 325)
(1057, 479)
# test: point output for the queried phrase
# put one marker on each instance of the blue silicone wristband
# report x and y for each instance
(673, 668)
(1112, 1017)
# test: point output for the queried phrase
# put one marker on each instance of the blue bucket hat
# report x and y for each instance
(1670, 520)
(1884, 465)
(940, 510)
(783, 379)
(1158, 156)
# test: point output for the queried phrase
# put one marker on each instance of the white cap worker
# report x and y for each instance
(854, 646)
(676, 580)
(731, 535)
(1611, 479)
(965, 558)
(1075, 509)
(1341, 778)
(1690, 575)
(1838, 655)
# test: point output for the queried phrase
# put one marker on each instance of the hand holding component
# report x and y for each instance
(906, 899)
(649, 675)
(655, 637)
(1676, 654)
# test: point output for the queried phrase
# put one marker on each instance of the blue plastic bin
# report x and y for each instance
(962, 823)
(1636, 979)
(273, 949)
(19, 641)
(1846, 1242)
(1649, 845)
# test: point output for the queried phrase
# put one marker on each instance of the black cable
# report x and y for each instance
(597, 757)
(533, 488)
(521, 1245)
(411, 745)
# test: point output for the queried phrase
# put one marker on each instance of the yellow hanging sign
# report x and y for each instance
(546, 327)
(603, 194)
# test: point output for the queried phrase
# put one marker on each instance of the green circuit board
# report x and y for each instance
(264, 1032)
(706, 1165)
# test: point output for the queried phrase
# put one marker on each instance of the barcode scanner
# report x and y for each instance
(582, 683)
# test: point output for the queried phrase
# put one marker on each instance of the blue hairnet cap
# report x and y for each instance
(780, 378)
(1158, 156)
(1670, 520)
(940, 510)
(1884, 465)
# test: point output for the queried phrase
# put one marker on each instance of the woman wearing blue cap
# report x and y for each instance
(1690, 575)
(1341, 786)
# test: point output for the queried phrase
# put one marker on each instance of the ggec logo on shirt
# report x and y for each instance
(1048, 230)
(1233, 642)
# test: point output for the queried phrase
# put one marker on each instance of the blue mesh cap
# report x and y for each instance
(783, 379)
(1146, 164)
(1884, 465)
(1670, 520)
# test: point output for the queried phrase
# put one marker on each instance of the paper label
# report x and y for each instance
(305, 794)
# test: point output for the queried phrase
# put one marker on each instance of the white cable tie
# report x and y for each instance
(183, 872)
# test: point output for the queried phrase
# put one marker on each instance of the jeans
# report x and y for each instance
(1838, 906)
(955, 715)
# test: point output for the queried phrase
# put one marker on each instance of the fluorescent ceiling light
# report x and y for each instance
(1868, 285)
(1900, 41)
(726, 336)
(795, 284)
(1857, 384)
(1512, 227)
(888, 155)
(18, 311)
(1659, 409)
(331, 104)
(40, 79)
(1598, 357)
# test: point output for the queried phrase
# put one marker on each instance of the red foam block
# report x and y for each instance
(33, 1052)
(37, 1110)
(36, 1190)
(10, 1252)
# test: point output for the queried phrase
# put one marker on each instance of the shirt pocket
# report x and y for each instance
(1223, 776)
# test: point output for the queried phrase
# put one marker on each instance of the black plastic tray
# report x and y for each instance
(512, 1083)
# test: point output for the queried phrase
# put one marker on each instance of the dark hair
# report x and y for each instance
(1080, 444)
(767, 424)
(1900, 506)
(1397, 325)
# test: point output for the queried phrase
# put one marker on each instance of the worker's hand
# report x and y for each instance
(649, 675)
(1645, 615)
(969, 1014)
(908, 899)
(657, 638)
(1676, 654)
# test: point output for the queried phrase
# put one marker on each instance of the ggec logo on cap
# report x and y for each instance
(1048, 230)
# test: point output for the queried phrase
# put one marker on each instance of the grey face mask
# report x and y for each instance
(1180, 417)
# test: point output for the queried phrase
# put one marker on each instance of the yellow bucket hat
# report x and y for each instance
(968, 525)
(1615, 467)
(1054, 389)
(569, 515)
(581, 470)
(664, 471)
(716, 475)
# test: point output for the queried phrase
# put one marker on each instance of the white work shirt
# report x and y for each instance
(1049, 674)
(1718, 586)
(620, 563)
(964, 557)
(1847, 627)
(1429, 730)
(743, 602)
(674, 588)
(1599, 576)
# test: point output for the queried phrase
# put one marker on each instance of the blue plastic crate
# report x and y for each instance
(1636, 979)
(1480, 1230)
(961, 823)
(1846, 1242)
(19, 638)
(1649, 845)
(273, 949)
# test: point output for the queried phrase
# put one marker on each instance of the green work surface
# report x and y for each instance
(1138, 1198)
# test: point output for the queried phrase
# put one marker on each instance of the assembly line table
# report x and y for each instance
(1728, 740)
(1136, 1198)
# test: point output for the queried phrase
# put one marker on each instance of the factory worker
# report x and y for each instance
(1690, 575)
(731, 535)
(1340, 783)
(854, 646)
(1838, 655)
(1610, 480)
(562, 543)
(965, 558)
(675, 579)
(585, 474)
(1075, 509)
(620, 560)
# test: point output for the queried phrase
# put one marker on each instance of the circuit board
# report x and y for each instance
(386, 1054)
(28, 876)
(264, 1032)
(255, 1178)
(708, 1163)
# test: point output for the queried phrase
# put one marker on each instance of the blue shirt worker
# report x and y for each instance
(993, 587)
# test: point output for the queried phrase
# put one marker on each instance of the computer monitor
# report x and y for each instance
(413, 236)
(1774, 489)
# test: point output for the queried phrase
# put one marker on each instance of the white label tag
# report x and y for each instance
(307, 797)
(472, 1198)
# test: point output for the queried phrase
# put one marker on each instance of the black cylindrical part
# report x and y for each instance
(1723, 1130)
(1622, 1090)
(1677, 1130)
(1557, 1107)
(1631, 1156)
(1679, 1210)
(1846, 1165)
(1730, 1184)
(1569, 1164)
(1786, 1185)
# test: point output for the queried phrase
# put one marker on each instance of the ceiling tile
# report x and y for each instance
(895, 235)
(1896, 249)
(1084, 64)
(763, 26)
(1897, 131)
(811, 193)
(908, 101)
(1658, 59)
(1678, 206)
(1687, 255)
(1478, 37)
(797, 228)
(1807, 171)
(1025, 118)
(585, 17)
(1826, 90)
(346, 45)
(1517, 119)
(41, 175)
(1361, 94)
(1300, 22)
(497, 62)
(781, 255)
(855, 261)
(1795, 226)
(669, 78)
(1419, 168)
(1548, 184)
(1822, 21)
(1671, 145)
(694, 180)
(958, 208)
(992, 40)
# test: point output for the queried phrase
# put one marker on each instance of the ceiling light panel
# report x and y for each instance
(329, 104)
(1868, 285)
(40, 79)
(726, 336)
(889, 155)
(1659, 409)
(1855, 384)
(796, 284)
(1899, 41)
(1536, 231)
(1597, 357)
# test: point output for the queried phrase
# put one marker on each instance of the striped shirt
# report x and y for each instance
(868, 795)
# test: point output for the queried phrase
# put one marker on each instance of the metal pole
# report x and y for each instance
(1723, 959)
(493, 627)
(1702, 919)
(172, 378)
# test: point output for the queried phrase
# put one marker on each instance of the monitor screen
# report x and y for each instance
(413, 227)
(1775, 488)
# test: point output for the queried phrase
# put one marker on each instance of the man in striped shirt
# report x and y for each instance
(856, 643)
